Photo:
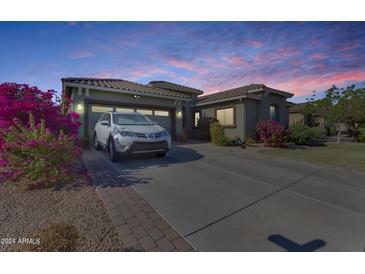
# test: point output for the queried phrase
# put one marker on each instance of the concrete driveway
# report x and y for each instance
(228, 199)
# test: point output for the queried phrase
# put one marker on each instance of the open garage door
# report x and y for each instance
(162, 117)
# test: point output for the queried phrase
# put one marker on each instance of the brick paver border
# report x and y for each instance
(139, 226)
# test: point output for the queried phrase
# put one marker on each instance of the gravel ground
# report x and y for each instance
(21, 212)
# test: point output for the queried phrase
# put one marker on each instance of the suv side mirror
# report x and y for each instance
(105, 123)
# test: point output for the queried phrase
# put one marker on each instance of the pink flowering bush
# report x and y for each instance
(18, 100)
(272, 133)
(36, 156)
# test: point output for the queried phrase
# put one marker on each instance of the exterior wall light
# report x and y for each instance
(179, 114)
(136, 96)
(79, 106)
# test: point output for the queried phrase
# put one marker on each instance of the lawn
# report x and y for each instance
(345, 155)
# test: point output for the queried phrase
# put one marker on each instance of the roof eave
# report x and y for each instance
(132, 92)
(229, 99)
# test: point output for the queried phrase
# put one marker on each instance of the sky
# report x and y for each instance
(297, 57)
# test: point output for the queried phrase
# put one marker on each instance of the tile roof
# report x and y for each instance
(240, 91)
(124, 85)
(175, 87)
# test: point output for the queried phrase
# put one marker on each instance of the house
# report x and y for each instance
(175, 107)
(298, 115)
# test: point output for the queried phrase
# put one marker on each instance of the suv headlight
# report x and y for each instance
(164, 133)
(125, 133)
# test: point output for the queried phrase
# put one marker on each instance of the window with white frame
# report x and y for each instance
(225, 116)
(121, 109)
(273, 113)
(196, 118)
(145, 111)
(101, 108)
(164, 113)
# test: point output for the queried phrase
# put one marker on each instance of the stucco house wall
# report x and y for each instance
(251, 115)
(269, 99)
(231, 132)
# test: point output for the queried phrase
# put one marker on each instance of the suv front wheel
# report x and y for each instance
(97, 145)
(113, 154)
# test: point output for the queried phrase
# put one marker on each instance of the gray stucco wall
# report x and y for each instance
(273, 99)
(251, 111)
(239, 130)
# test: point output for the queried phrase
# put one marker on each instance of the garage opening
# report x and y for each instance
(162, 117)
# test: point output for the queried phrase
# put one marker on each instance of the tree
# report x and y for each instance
(340, 106)
(354, 109)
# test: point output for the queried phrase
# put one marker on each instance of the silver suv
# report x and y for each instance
(125, 133)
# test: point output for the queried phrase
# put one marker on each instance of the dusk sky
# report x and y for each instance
(298, 57)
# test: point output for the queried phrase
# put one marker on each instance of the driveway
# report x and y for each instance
(229, 199)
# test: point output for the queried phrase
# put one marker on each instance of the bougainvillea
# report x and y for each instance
(18, 100)
(272, 133)
(37, 157)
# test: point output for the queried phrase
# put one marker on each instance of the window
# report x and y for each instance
(226, 116)
(131, 119)
(124, 109)
(196, 118)
(101, 109)
(273, 113)
(145, 111)
(162, 113)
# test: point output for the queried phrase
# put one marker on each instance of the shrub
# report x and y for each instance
(217, 135)
(183, 137)
(250, 141)
(202, 131)
(272, 133)
(319, 132)
(59, 237)
(361, 139)
(37, 156)
(301, 134)
(18, 100)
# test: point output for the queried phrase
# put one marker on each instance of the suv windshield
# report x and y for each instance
(131, 119)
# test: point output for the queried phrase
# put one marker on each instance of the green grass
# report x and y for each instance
(343, 155)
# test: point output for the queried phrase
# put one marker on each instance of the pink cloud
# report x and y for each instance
(269, 57)
(181, 64)
(103, 74)
(304, 85)
(349, 47)
(237, 60)
(190, 66)
(318, 56)
(83, 54)
(255, 43)
(297, 62)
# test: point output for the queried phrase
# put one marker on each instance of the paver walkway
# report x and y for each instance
(139, 226)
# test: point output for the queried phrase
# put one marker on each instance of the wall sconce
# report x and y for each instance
(79, 106)
(179, 114)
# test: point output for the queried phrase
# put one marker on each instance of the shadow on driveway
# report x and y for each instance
(126, 172)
